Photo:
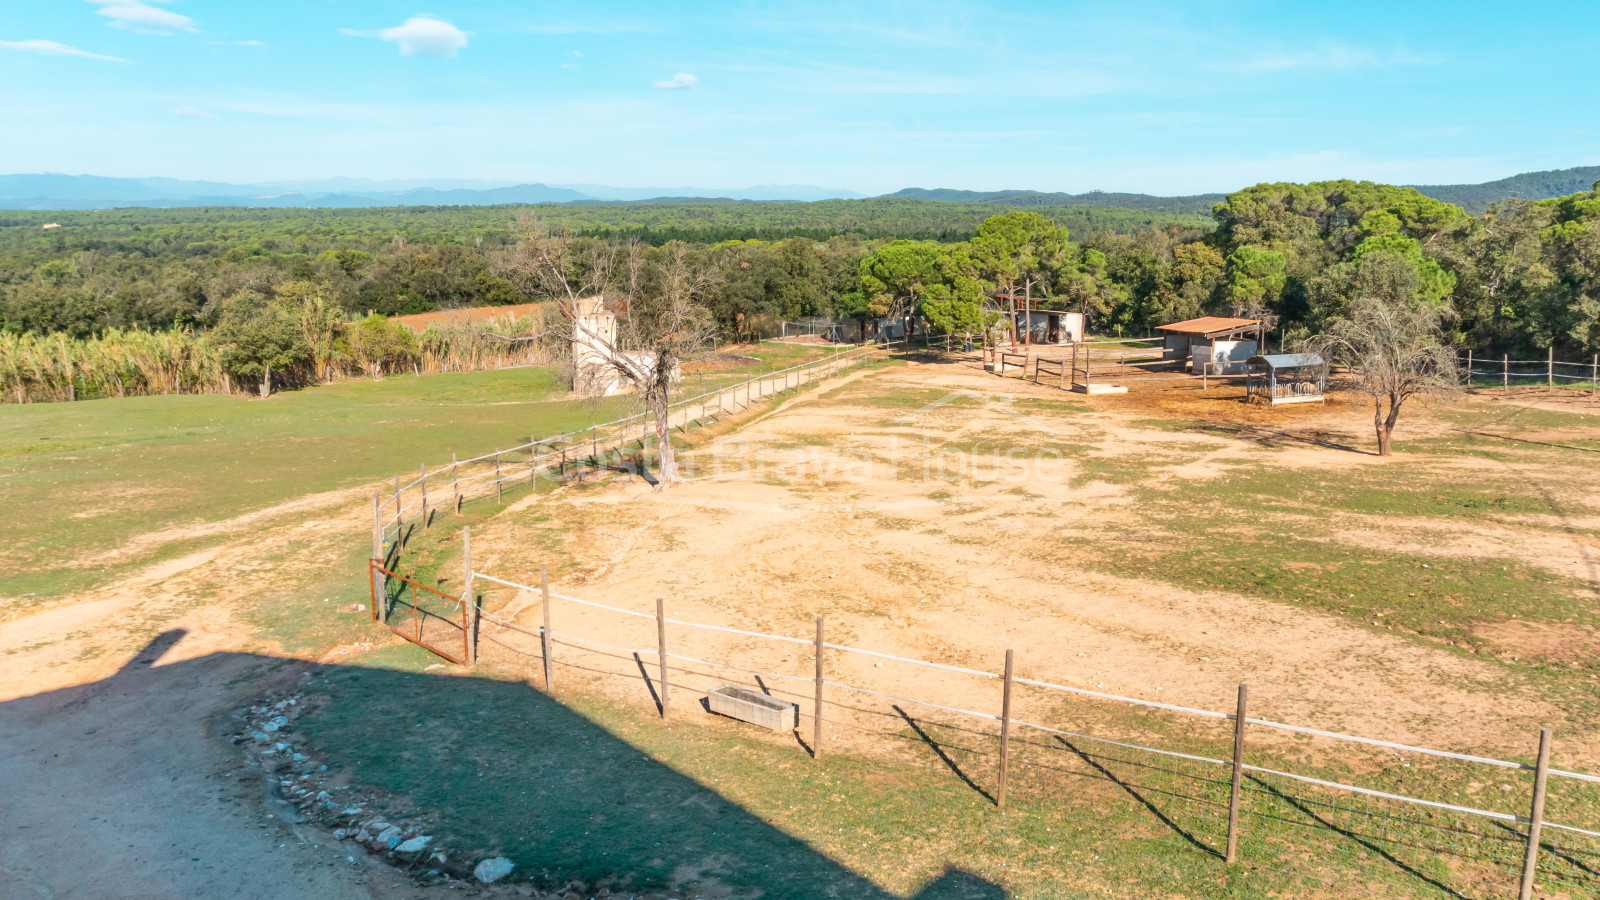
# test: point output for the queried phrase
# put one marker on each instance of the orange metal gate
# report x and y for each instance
(436, 619)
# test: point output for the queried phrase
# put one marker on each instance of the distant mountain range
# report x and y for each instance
(1475, 198)
(50, 191)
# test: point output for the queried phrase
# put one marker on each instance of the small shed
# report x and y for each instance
(1287, 378)
(1211, 340)
(1049, 326)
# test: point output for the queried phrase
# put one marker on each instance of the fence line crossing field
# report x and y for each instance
(931, 516)
(1162, 546)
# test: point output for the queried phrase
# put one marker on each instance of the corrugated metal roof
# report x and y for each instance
(1210, 325)
(1286, 360)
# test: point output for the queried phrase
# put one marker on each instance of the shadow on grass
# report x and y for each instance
(1134, 792)
(505, 770)
(1276, 438)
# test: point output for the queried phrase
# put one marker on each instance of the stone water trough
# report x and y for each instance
(754, 707)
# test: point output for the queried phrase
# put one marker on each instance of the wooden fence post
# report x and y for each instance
(499, 487)
(545, 637)
(469, 617)
(1541, 771)
(1552, 370)
(661, 644)
(455, 483)
(1505, 375)
(816, 708)
(1005, 733)
(425, 521)
(1238, 778)
(1469, 367)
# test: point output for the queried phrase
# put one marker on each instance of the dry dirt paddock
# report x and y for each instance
(932, 510)
(927, 510)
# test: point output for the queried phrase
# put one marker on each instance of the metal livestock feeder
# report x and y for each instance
(1287, 378)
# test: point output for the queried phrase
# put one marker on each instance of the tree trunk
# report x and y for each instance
(1386, 429)
(657, 397)
(666, 462)
(266, 382)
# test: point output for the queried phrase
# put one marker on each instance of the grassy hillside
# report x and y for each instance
(1476, 198)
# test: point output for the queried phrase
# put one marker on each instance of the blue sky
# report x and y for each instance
(1159, 98)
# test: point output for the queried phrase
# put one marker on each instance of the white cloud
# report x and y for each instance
(51, 48)
(190, 112)
(420, 36)
(569, 65)
(679, 80)
(136, 15)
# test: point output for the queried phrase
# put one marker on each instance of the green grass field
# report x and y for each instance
(143, 475)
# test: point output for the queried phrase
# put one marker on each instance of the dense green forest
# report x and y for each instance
(1194, 204)
(233, 287)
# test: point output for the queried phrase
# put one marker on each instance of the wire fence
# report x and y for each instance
(1332, 812)
(601, 446)
(1549, 372)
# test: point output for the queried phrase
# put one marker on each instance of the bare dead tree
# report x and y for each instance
(1395, 351)
(655, 295)
(666, 324)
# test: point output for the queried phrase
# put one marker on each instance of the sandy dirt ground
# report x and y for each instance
(115, 703)
(847, 511)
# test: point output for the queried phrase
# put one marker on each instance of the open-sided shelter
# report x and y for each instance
(1049, 326)
(1287, 378)
(1214, 341)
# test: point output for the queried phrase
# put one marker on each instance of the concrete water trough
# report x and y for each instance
(754, 707)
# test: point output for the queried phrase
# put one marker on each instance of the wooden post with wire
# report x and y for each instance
(425, 518)
(469, 619)
(1232, 855)
(377, 530)
(1530, 862)
(1005, 733)
(661, 644)
(1505, 374)
(545, 638)
(816, 708)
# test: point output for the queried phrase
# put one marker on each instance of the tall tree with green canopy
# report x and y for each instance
(893, 276)
(1020, 249)
(1256, 278)
(1433, 282)
(256, 337)
(1083, 281)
